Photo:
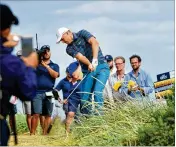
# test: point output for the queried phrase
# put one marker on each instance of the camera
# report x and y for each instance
(42, 52)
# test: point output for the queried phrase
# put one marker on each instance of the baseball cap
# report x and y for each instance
(108, 58)
(7, 17)
(60, 32)
(44, 47)
(72, 68)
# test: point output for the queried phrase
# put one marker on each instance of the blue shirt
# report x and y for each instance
(80, 45)
(143, 80)
(64, 85)
(45, 82)
(67, 87)
(17, 79)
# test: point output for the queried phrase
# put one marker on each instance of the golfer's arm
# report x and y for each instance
(82, 59)
(95, 47)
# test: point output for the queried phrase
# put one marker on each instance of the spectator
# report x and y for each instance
(70, 86)
(109, 60)
(17, 75)
(116, 80)
(139, 83)
(47, 72)
(85, 48)
(26, 104)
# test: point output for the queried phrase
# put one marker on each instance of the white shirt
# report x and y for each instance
(113, 70)
(109, 92)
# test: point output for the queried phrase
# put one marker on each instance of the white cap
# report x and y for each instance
(60, 32)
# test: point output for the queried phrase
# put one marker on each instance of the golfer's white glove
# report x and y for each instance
(95, 63)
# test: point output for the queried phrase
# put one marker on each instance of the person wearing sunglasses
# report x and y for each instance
(42, 105)
(85, 48)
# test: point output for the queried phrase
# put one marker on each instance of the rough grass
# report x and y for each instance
(118, 126)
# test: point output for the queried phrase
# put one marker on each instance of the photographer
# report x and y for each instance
(47, 72)
(17, 76)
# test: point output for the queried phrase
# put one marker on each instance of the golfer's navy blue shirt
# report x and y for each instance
(80, 45)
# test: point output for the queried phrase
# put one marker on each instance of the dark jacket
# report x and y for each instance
(16, 78)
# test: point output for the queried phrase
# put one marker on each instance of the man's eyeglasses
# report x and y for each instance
(118, 63)
(134, 63)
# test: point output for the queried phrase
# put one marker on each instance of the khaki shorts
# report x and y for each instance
(27, 107)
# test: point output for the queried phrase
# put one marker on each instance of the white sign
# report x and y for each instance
(172, 74)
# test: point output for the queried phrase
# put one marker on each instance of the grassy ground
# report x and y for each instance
(118, 126)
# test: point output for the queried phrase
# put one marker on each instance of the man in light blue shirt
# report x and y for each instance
(138, 83)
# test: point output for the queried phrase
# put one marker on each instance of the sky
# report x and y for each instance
(122, 28)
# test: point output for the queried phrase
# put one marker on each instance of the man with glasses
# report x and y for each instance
(116, 80)
(139, 83)
(85, 48)
(46, 72)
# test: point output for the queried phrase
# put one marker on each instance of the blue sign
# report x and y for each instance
(163, 76)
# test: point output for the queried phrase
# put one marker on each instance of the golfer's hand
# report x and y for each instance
(90, 67)
(95, 63)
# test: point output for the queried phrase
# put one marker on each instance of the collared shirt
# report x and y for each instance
(143, 80)
(110, 93)
(45, 82)
(113, 71)
(67, 87)
(81, 45)
(64, 85)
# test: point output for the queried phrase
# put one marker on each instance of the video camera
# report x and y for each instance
(42, 52)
